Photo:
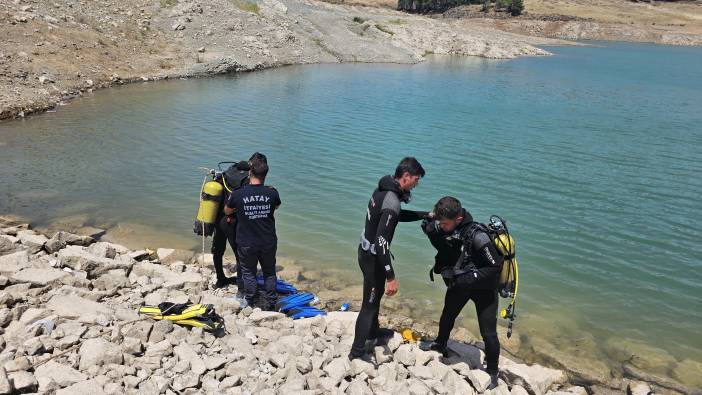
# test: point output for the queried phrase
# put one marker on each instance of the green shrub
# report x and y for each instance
(358, 19)
(516, 7)
(246, 5)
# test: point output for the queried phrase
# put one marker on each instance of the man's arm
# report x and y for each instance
(484, 250)
(384, 235)
(230, 205)
(411, 216)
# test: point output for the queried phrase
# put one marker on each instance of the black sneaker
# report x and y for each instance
(493, 381)
(438, 347)
(221, 284)
(382, 336)
(356, 355)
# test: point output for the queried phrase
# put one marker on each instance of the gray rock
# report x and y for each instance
(358, 387)
(161, 349)
(259, 316)
(638, 388)
(155, 385)
(32, 240)
(41, 277)
(172, 280)
(185, 352)
(62, 375)
(5, 316)
(33, 346)
(23, 381)
(5, 385)
(417, 387)
(18, 364)
(9, 244)
(131, 345)
(87, 387)
(14, 262)
(518, 390)
(99, 352)
(107, 250)
(382, 355)
(73, 306)
(114, 279)
(160, 330)
(421, 372)
(167, 255)
(405, 355)
(139, 330)
(535, 378)
(214, 362)
(229, 382)
(185, 380)
(337, 369)
(359, 366)
(78, 258)
(62, 239)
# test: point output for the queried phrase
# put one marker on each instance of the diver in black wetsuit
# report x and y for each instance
(457, 239)
(225, 226)
(374, 255)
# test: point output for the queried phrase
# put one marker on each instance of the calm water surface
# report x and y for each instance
(592, 155)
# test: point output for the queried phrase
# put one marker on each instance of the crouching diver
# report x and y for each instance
(470, 266)
(225, 226)
(374, 255)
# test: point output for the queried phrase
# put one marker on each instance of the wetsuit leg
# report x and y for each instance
(373, 289)
(455, 299)
(267, 259)
(219, 244)
(231, 237)
(248, 257)
(486, 304)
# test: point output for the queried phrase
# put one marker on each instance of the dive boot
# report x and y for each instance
(439, 347)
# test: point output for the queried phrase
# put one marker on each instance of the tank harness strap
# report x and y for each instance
(207, 196)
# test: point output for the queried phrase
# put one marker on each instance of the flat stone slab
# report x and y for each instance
(73, 306)
(40, 277)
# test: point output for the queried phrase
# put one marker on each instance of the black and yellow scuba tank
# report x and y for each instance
(195, 315)
(508, 283)
(215, 191)
(210, 201)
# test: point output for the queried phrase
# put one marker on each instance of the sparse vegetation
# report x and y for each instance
(168, 3)
(384, 29)
(358, 19)
(247, 5)
(397, 21)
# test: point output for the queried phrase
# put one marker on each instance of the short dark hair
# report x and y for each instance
(259, 165)
(258, 156)
(447, 208)
(410, 165)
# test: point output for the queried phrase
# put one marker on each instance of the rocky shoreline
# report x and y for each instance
(54, 51)
(69, 325)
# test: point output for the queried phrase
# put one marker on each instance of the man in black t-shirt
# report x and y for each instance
(256, 238)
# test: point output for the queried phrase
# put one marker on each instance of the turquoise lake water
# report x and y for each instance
(593, 156)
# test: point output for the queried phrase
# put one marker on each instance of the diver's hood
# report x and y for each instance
(388, 183)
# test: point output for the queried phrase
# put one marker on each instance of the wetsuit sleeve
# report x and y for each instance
(433, 233)
(410, 216)
(231, 200)
(386, 230)
(484, 250)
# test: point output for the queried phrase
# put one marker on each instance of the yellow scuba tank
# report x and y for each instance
(508, 284)
(210, 199)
